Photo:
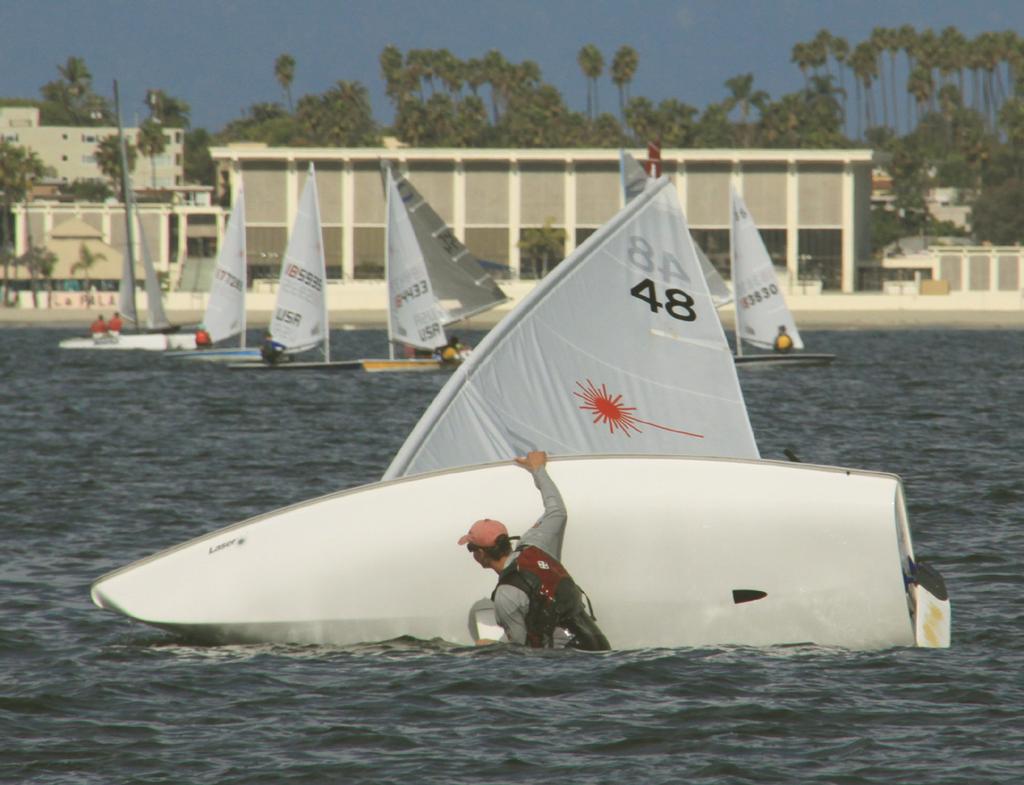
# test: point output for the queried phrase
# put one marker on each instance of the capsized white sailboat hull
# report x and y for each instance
(664, 559)
(153, 342)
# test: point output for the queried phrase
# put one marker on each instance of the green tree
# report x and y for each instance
(151, 143)
(543, 248)
(70, 100)
(39, 261)
(284, 72)
(624, 65)
(745, 97)
(108, 159)
(167, 110)
(591, 62)
(997, 215)
(340, 117)
(19, 167)
(199, 167)
(87, 259)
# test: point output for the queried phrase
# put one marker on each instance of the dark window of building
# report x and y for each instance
(535, 265)
(368, 252)
(821, 257)
(715, 244)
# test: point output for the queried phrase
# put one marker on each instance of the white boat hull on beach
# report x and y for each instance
(804, 554)
(152, 342)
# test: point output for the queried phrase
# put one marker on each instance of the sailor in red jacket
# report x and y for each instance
(535, 593)
(99, 327)
(115, 324)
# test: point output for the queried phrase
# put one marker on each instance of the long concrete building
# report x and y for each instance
(812, 206)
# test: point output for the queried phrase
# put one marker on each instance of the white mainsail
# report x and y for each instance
(618, 350)
(414, 314)
(156, 317)
(300, 321)
(460, 284)
(634, 180)
(225, 310)
(760, 306)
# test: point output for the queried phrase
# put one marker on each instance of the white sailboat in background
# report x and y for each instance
(161, 334)
(618, 352)
(761, 311)
(433, 280)
(225, 309)
(300, 321)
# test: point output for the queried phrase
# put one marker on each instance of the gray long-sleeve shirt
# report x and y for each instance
(510, 602)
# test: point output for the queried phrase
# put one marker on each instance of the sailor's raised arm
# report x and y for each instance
(547, 533)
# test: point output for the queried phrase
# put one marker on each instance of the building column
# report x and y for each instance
(792, 224)
(348, 219)
(569, 206)
(679, 178)
(848, 278)
(291, 194)
(514, 217)
(459, 199)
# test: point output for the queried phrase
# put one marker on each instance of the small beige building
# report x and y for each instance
(71, 150)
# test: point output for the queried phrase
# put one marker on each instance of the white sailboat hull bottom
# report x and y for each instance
(803, 359)
(152, 342)
(217, 355)
(804, 554)
(348, 365)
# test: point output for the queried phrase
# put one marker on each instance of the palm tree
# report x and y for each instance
(879, 42)
(624, 66)
(40, 261)
(151, 143)
(543, 247)
(108, 159)
(284, 72)
(865, 68)
(19, 166)
(86, 261)
(801, 55)
(591, 62)
(840, 49)
(906, 38)
(744, 96)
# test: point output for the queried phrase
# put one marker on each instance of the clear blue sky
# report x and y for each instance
(218, 55)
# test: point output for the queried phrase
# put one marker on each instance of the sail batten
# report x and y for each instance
(576, 367)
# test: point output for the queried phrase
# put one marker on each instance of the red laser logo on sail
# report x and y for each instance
(609, 410)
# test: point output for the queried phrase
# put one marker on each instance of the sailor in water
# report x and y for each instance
(535, 595)
(783, 343)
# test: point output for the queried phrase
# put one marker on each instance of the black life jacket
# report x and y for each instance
(555, 601)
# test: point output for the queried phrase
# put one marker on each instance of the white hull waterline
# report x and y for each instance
(805, 554)
(776, 360)
(217, 355)
(153, 342)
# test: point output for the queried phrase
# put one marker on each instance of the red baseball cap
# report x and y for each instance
(484, 533)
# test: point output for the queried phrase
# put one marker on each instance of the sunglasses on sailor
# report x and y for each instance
(473, 547)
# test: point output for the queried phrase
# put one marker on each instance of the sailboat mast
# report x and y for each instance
(126, 194)
(732, 270)
(387, 253)
(323, 264)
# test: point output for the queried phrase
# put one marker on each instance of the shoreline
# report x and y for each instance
(377, 319)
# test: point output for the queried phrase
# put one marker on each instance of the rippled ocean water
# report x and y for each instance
(110, 456)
